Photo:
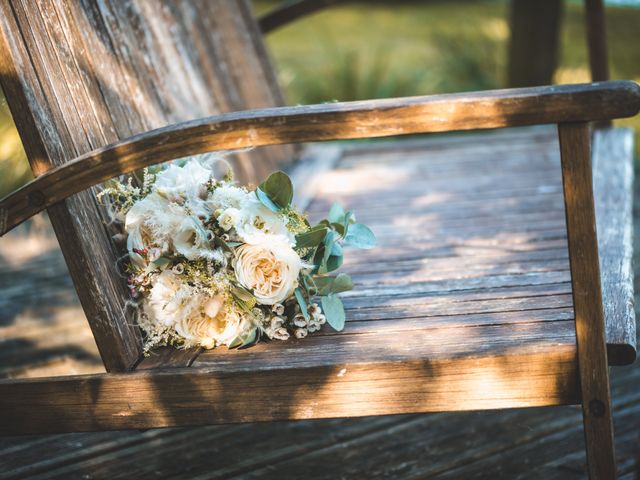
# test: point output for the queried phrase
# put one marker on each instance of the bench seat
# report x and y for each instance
(465, 304)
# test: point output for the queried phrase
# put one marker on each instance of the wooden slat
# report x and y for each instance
(575, 153)
(80, 75)
(613, 154)
(373, 118)
(308, 386)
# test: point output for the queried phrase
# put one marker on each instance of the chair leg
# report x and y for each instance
(575, 153)
(598, 434)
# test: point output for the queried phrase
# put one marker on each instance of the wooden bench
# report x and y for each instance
(486, 289)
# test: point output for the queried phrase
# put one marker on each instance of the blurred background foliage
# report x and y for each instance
(380, 49)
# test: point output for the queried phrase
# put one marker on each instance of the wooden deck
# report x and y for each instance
(43, 332)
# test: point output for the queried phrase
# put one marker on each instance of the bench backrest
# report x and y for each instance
(81, 74)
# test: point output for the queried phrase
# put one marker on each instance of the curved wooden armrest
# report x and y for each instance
(332, 121)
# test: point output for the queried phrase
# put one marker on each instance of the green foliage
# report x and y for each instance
(334, 311)
(311, 238)
(360, 236)
(327, 285)
(276, 192)
(302, 302)
(244, 299)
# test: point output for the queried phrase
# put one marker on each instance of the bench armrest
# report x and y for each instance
(332, 121)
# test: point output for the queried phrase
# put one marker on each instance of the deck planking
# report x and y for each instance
(531, 443)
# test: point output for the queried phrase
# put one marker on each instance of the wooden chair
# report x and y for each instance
(472, 300)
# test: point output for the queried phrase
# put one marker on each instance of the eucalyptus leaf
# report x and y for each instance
(278, 188)
(338, 227)
(333, 311)
(329, 240)
(243, 298)
(360, 236)
(311, 238)
(266, 201)
(219, 242)
(250, 338)
(334, 262)
(336, 213)
(302, 302)
(327, 285)
(244, 340)
(161, 262)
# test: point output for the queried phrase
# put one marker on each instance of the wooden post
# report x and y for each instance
(575, 153)
(597, 45)
(597, 40)
(533, 49)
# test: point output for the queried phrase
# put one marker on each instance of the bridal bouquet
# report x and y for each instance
(213, 263)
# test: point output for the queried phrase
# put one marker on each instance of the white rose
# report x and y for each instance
(151, 221)
(186, 185)
(211, 324)
(191, 240)
(227, 196)
(269, 270)
(187, 181)
(165, 304)
(229, 218)
(256, 221)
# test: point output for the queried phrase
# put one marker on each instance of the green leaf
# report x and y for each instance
(336, 213)
(311, 238)
(334, 262)
(266, 201)
(243, 298)
(338, 227)
(334, 311)
(278, 188)
(360, 236)
(348, 220)
(161, 262)
(244, 340)
(329, 241)
(328, 285)
(219, 242)
(302, 302)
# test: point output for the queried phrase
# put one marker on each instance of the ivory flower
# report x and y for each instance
(256, 221)
(211, 324)
(191, 240)
(269, 270)
(185, 182)
(164, 304)
(227, 196)
(229, 218)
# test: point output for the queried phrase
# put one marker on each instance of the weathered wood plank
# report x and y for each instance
(80, 75)
(613, 190)
(331, 377)
(575, 154)
(373, 118)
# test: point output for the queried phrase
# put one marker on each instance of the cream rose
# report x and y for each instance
(270, 270)
(211, 324)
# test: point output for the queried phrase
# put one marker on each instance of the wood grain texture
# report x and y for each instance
(530, 443)
(365, 119)
(542, 375)
(81, 75)
(613, 186)
(575, 153)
